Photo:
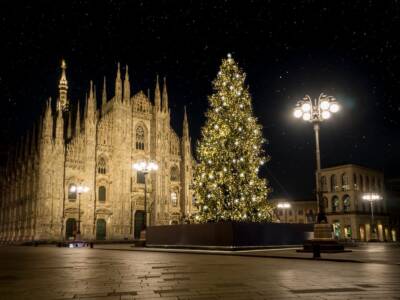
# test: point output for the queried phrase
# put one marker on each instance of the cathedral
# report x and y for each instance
(73, 172)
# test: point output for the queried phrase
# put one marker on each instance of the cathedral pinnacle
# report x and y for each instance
(127, 86)
(157, 97)
(185, 124)
(63, 104)
(165, 96)
(104, 96)
(118, 85)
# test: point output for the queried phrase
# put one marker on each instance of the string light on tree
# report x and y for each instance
(231, 139)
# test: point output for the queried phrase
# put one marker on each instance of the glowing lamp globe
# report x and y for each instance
(324, 105)
(298, 113)
(334, 108)
(306, 107)
(326, 115)
(306, 116)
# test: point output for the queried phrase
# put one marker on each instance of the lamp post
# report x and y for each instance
(372, 197)
(145, 167)
(315, 111)
(284, 206)
(79, 189)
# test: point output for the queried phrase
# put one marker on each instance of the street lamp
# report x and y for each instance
(145, 167)
(284, 206)
(372, 197)
(315, 111)
(79, 189)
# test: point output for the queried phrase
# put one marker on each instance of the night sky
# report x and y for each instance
(349, 50)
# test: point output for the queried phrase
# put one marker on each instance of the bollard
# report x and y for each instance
(316, 251)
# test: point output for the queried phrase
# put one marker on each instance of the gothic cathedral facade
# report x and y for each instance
(73, 173)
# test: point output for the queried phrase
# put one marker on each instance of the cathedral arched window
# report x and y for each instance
(101, 166)
(174, 173)
(140, 138)
(102, 194)
(72, 192)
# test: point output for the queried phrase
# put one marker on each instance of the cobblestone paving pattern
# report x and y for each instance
(92, 274)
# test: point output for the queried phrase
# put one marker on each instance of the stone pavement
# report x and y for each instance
(48, 272)
(387, 253)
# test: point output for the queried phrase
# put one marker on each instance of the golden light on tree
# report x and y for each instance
(230, 153)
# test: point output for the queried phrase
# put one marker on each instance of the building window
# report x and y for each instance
(346, 203)
(345, 182)
(347, 232)
(361, 184)
(174, 173)
(140, 177)
(72, 192)
(139, 138)
(102, 194)
(373, 187)
(281, 212)
(290, 212)
(101, 166)
(300, 212)
(333, 183)
(324, 186)
(335, 203)
(174, 199)
(325, 202)
(355, 182)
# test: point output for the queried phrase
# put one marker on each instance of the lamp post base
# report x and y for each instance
(323, 231)
(322, 240)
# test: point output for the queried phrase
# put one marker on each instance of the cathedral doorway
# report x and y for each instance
(100, 229)
(70, 229)
(139, 223)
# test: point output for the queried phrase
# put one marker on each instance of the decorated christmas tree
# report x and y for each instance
(230, 154)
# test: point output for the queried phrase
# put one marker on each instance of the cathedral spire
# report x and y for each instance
(104, 95)
(157, 98)
(63, 104)
(185, 124)
(91, 103)
(118, 85)
(78, 120)
(69, 128)
(165, 96)
(59, 127)
(47, 126)
(127, 86)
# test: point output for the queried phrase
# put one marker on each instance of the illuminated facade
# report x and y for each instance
(97, 148)
(343, 189)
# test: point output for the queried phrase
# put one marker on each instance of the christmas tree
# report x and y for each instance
(230, 153)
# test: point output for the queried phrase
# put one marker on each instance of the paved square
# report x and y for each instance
(48, 272)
